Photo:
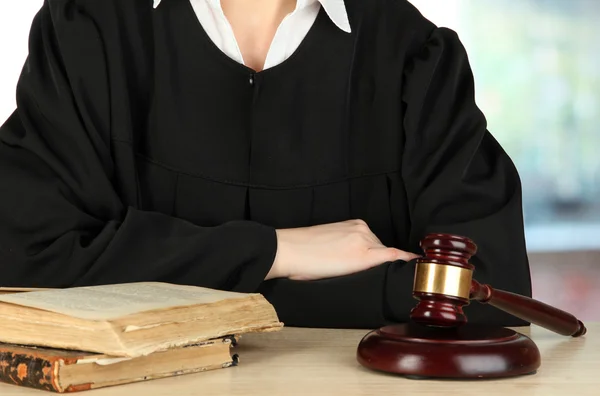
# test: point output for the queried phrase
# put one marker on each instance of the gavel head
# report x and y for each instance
(442, 281)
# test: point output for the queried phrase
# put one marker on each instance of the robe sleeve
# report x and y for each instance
(62, 221)
(350, 301)
(457, 177)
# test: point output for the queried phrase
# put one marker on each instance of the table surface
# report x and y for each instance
(323, 362)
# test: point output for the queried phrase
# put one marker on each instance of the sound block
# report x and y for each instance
(465, 352)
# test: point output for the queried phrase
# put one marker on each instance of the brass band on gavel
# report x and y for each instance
(448, 280)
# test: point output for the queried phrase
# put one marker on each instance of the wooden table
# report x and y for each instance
(311, 362)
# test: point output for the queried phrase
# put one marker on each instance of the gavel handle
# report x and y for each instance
(528, 309)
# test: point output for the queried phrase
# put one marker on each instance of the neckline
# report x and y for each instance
(223, 58)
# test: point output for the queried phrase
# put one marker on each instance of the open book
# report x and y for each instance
(130, 320)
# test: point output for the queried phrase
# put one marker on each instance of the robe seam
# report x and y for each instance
(264, 186)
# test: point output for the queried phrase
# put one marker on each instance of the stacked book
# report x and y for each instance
(68, 340)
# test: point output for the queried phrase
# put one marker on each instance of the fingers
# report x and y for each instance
(381, 253)
(363, 228)
(406, 256)
(385, 255)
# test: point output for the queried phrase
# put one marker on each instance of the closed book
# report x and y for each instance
(65, 371)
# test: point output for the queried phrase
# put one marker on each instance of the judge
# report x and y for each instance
(299, 149)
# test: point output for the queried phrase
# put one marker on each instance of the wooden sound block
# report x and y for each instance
(465, 352)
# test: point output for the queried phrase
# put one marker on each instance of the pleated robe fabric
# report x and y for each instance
(140, 152)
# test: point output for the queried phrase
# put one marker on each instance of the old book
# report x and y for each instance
(130, 320)
(64, 371)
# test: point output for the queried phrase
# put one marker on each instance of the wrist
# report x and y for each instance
(280, 267)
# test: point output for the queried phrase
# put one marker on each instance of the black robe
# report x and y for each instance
(140, 152)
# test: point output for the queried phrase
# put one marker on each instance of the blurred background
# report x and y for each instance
(537, 72)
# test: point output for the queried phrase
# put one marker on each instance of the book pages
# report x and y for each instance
(114, 301)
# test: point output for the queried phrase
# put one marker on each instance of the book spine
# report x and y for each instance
(29, 371)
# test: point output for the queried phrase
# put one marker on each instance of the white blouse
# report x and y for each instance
(288, 37)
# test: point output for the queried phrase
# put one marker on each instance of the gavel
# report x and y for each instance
(444, 284)
(438, 341)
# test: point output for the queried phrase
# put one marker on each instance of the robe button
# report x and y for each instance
(251, 80)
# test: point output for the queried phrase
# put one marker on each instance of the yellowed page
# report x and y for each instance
(113, 301)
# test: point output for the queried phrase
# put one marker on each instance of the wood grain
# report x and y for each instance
(323, 362)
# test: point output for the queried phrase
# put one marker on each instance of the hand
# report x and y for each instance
(330, 250)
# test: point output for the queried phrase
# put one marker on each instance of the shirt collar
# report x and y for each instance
(335, 9)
